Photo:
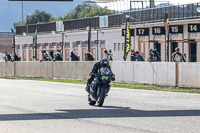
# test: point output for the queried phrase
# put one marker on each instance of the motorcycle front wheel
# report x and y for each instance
(101, 97)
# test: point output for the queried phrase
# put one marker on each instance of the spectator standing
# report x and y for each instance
(89, 56)
(74, 57)
(15, 57)
(154, 56)
(178, 56)
(46, 57)
(110, 55)
(150, 54)
(133, 55)
(58, 57)
(107, 55)
(138, 56)
(7, 56)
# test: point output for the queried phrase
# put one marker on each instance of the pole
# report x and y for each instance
(97, 45)
(183, 43)
(165, 48)
(62, 45)
(22, 12)
(168, 48)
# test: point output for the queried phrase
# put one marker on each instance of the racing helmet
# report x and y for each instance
(104, 63)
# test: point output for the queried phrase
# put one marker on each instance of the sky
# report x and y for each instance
(11, 11)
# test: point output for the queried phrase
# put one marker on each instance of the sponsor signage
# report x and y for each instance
(103, 21)
(59, 26)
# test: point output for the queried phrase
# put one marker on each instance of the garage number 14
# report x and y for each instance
(193, 27)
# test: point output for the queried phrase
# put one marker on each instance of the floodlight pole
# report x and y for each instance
(22, 12)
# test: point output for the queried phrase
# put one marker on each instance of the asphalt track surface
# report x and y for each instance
(49, 107)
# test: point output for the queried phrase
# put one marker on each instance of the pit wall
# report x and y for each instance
(162, 73)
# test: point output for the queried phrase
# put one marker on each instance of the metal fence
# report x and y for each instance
(152, 15)
(5, 35)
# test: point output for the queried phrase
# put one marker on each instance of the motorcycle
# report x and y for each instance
(100, 87)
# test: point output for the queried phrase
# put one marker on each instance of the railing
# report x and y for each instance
(5, 35)
(152, 15)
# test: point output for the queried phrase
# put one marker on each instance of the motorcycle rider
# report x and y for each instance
(178, 56)
(97, 66)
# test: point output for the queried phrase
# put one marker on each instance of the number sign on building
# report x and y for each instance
(142, 31)
(158, 30)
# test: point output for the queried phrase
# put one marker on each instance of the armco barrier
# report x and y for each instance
(161, 73)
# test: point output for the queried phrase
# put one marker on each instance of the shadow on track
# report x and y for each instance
(104, 112)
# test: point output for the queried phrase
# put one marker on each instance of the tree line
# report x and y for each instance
(80, 11)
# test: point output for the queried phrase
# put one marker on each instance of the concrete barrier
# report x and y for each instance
(37, 71)
(161, 73)
(1, 69)
(143, 72)
(123, 71)
(189, 75)
(10, 68)
(165, 74)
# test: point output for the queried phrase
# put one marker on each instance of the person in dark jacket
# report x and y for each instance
(138, 56)
(58, 57)
(46, 57)
(15, 57)
(7, 56)
(96, 67)
(108, 55)
(89, 56)
(133, 56)
(150, 54)
(74, 57)
(155, 56)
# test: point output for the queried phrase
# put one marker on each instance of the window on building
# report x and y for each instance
(119, 46)
(17, 46)
(93, 44)
(103, 43)
(67, 44)
(59, 44)
(83, 44)
(75, 45)
(115, 46)
(122, 46)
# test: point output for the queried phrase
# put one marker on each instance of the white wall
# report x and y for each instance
(165, 74)
(189, 75)
(1, 57)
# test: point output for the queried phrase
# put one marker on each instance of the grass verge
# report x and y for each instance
(119, 85)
